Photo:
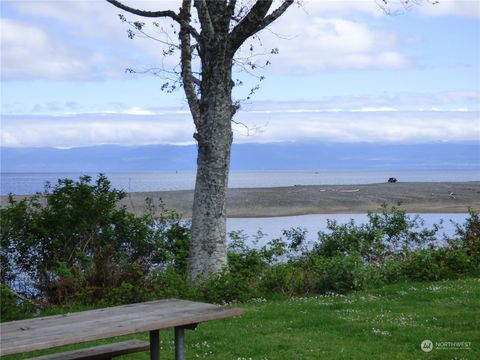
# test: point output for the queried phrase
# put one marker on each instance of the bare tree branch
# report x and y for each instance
(388, 6)
(275, 14)
(153, 14)
(204, 17)
(247, 27)
(186, 63)
(231, 7)
(140, 30)
(157, 14)
(196, 81)
(256, 20)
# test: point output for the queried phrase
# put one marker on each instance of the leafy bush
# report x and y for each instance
(76, 239)
(12, 306)
(438, 264)
(468, 235)
(248, 268)
(390, 232)
(340, 273)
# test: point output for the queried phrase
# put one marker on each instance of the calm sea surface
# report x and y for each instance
(30, 183)
(272, 228)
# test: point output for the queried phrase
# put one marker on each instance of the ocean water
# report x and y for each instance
(272, 228)
(30, 183)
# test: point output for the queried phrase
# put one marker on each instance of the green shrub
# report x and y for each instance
(468, 236)
(422, 265)
(459, 262)
(340, 273)
(438, 264)
(12, 306)
(388, 233)
(229, 287)
(390, 270)
(76, 237)
(169, 283)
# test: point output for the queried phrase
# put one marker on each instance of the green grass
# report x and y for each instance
(385, 323)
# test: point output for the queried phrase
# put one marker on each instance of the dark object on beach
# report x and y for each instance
(392, 180)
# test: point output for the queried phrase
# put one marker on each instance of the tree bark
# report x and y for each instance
(214, 136)
(208, 248)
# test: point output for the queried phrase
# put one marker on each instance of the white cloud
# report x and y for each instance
(364, 126)
(402, 101)
(460, 8)
(30, 52)
(374, 109)
(322, 38)
(95, 129)
(92, 18)
(97, 24)
(137, 111)
(177, 128)
(341, 7)
(320, 44)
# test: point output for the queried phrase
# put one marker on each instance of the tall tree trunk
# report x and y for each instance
(224, 27)
(214, 136)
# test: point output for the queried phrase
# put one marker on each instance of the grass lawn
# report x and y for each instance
(385, 323)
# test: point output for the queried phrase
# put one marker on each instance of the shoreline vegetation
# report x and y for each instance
(374, 283)
(414, 197)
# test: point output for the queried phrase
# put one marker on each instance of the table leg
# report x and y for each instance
(155, 345)
(179, 343)
(180, 340)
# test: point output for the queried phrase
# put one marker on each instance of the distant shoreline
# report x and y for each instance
(414, 197)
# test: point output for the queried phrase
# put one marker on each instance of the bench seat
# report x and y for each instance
(101, 352)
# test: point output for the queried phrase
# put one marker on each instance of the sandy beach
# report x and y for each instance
(415, 197)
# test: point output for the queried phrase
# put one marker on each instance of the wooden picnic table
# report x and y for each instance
(72, 328)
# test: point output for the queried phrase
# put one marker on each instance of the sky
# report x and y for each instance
(346, 71)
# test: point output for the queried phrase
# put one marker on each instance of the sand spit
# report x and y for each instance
(415, 197)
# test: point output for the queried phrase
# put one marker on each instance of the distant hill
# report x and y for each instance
(272, 156)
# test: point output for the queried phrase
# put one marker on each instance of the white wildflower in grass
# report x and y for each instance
(258, 300)
(204, 355)
(368, 297)
(349, 314)
(333, 294)
(229, 303)
(406, 320)
(380, 332)
(202, 344)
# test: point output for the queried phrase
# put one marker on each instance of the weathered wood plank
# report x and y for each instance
(99, 352)
(47, 332)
